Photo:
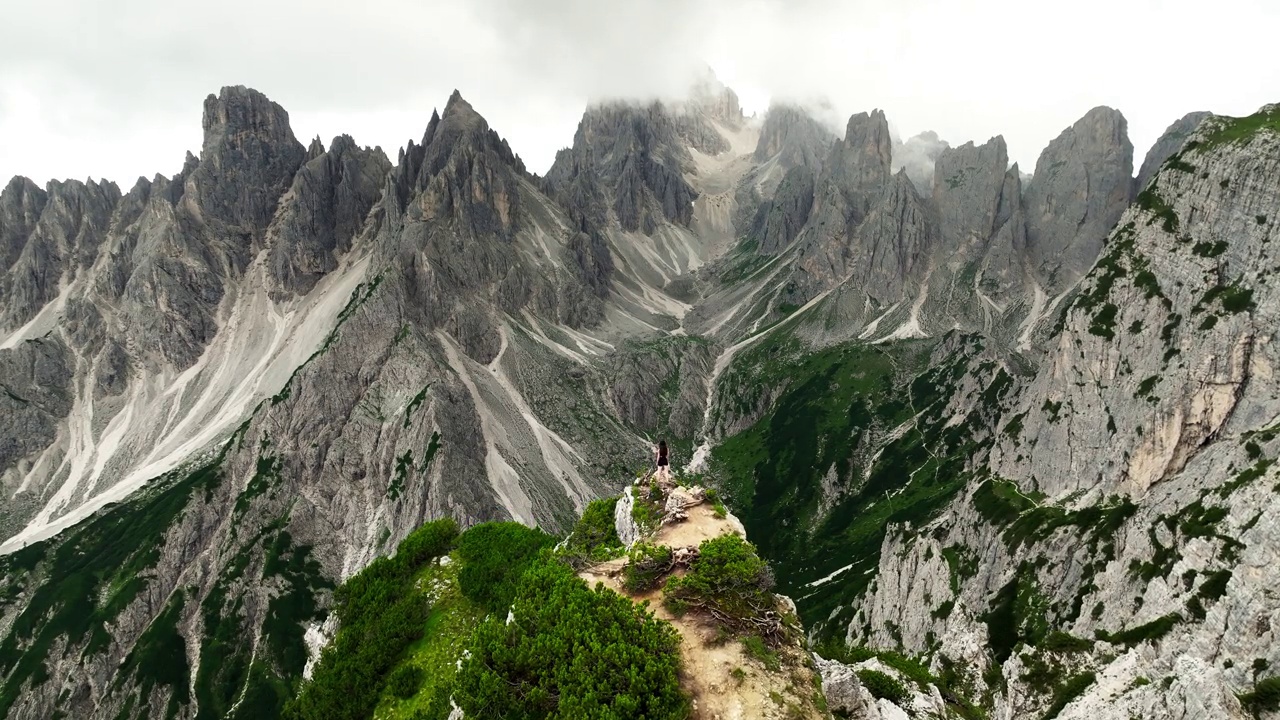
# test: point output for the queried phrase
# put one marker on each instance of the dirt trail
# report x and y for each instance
(725, 682)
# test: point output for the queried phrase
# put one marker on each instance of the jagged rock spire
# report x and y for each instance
(248, 158)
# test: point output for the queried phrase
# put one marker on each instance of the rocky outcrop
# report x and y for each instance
(642, 378)
(978, 272)
(854, 180)
(844, 692)
(638, 156)
(1081, 186)
(61, 243)
(917, 155)
(778, 222)
(36, 395)
(459, 219)
(709, 102)
(248, 160)
(1169, 143)
(775, 199)
(969, 182)
(1114, 539)
(892, 248)
(21, 204)
(794, 137)
(715, 100)
(858, 168)
(324, 209)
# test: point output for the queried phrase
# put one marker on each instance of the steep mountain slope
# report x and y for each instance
(1102, 549)
(159, 333)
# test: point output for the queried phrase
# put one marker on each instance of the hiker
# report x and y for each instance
(664, 463)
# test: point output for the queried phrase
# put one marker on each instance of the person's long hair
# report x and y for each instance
(662, 448)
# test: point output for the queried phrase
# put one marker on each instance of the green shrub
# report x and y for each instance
(1237, 299)
(646, 564)
(727, 580)
(494, 556)
(717, 505)
(1059, 641)
(1153, 630)
(380, 614)
(427, 543)
(756, 648)
(571, 652)
(1072, 689)
(1265, 695)
(439, 707)
(882, 686)
(647, 510)
(405, 681)
(595, 536)
(834, 649)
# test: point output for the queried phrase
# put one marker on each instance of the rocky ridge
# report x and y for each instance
(1145, 437)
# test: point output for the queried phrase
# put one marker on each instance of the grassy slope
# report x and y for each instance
(448, 630)
(838, 407)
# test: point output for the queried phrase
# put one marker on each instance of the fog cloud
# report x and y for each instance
(90, 88)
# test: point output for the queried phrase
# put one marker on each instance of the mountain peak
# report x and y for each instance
(794, 135)
(238, 109)
(1082, 184)
(1169, 142)
(315, 149)
(457, 108)
(248, 148)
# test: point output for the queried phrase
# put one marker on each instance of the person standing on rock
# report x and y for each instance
(664, 462)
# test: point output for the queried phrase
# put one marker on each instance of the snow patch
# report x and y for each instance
(824, 580)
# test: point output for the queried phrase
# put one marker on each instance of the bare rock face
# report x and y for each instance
(1138, 469)
(639, 376)
(639, 158)
(1152, 312)
(324, 209)
(1174, 137)
(977, 278)
(918, 155)
(36, 394)
(969, 181)
(892, 247)
(778, 222)
(1082, 184)
(709, 102)
(775, 200)
(858, 167)
(50, 252)
(854, 180)
(456, 216)
(21, 204)
(715, 100)
(794, 137)
(248, 160)
(623, 522)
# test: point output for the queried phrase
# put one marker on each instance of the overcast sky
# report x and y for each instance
(113, 88)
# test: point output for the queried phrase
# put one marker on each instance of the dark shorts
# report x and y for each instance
(662, 462)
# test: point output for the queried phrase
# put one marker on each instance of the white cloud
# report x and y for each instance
(114, 89)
